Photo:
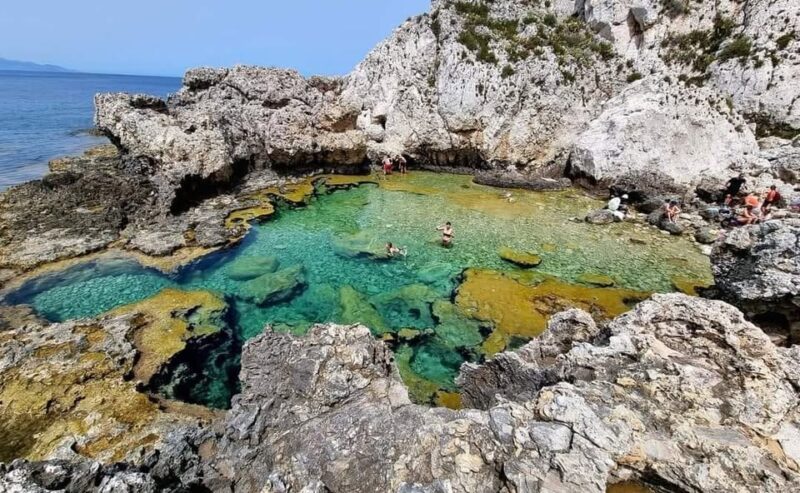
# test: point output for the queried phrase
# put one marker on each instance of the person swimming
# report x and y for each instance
(447, 233)
(392, 250)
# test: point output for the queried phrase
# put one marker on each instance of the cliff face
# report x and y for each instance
(492, 84)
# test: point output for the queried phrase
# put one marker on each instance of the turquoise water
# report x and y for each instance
(326, 260)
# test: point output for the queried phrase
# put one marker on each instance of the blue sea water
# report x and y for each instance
(44, 115)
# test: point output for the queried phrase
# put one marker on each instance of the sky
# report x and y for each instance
(165, 37)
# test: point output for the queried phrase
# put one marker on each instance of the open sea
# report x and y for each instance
(44, 115)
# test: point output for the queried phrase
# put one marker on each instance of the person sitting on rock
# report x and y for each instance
(672, 211)
(392, 250)
(447, 234)
(752, 200)
(773, 197)
(728, 202)
(747, 216)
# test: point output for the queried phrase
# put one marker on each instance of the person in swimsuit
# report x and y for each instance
(673, 210)
(392, 250)
(772, 198)
(387, 166)
(447, 233)
(747, 216)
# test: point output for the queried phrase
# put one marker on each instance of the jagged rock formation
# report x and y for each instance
(757, 268)
(69, 390)
(490, 84)
(681, 392)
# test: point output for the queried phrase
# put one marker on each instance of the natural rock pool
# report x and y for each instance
(438, 307)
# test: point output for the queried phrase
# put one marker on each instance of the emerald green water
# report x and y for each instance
(324, 238)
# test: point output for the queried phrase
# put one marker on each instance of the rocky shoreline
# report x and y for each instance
(657, 99)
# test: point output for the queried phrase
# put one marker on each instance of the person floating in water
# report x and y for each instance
(402, 165)
(392, 250)
(447, 234)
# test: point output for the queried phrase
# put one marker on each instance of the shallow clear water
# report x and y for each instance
(45, 115)
(389, 295)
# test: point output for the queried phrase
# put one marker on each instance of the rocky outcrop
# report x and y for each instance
(225, 122)
(680, 392)
(757, 268)
(655, 128)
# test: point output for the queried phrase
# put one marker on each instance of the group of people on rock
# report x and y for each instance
(751, 209)
(389, 164)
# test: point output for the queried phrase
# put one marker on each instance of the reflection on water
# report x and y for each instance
(327, 262)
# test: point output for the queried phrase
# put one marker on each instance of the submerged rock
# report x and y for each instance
(520, 259)
(274, 287)
(357, 310)
(409, 306)
(246, 268)
(600, 280)
(601, 216)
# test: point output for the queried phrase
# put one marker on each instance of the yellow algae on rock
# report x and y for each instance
(296, 193)
(519, 305)
(600, 280)
(521, 259)
(348, 180)
(450, 400)
(70, 391)
(171, 318)
(420, 389)
(689, 286)
(241, 217)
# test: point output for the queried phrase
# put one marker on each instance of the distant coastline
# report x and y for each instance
(7, 65)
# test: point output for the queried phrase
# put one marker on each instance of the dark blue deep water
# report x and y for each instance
(46, 115)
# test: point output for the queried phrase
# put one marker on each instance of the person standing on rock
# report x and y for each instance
(734, 185)
(401, 164)
(387, 166)
(447, 234)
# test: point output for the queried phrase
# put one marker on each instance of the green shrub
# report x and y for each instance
(507, 72)
(550, 20)
(783, 41)
(478, 10)
(740, 47)
(675, 8)
(634, 76)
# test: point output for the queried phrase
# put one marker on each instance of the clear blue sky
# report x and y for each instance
(165, 37)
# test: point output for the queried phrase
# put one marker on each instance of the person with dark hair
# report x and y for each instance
(402, 165)
(392, 250)
(734, 185)
(672, 211)
(447, 233)
(387, 166)
(773, 197)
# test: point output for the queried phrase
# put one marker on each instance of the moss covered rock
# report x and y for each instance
(274, 287)
(520, 259)
(245, 268)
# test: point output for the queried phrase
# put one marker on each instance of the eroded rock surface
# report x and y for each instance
(757, 268)
(681, 392)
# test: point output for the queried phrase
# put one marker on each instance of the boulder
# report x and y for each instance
(246, 268)
(274, 287)
(520, 258)
(655, 127)
(599, 280)
(600, 216)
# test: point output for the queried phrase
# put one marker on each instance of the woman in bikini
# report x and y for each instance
(447, 234)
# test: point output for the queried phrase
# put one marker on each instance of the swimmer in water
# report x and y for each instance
(392, 250)
(447, 234)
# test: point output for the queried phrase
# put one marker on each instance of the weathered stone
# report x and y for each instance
(245, 268)
(520, 259)
(274, 287)
(601, 216)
